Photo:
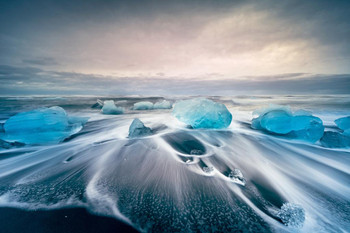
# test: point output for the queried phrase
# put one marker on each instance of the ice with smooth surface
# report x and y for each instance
(143, 105)
(280, 120)
(138, 129)
(42, 126)
(110, 108)
(292, 215)
(202, 113)
(343, 123)
(162, 105)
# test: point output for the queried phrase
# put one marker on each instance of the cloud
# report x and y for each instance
(234, 38)
(174, 47)
(35, 81)
(41, 61)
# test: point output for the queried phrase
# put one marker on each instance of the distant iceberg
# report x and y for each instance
(42, 126)
(147, 105)
(202, 113)
(138, 129)
(110, 108)
(98, 104)
(143, 105)
(281, 120)
(162, 105)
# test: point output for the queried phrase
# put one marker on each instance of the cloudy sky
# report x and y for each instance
(174, 47)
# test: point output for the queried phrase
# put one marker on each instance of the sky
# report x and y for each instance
(174, 47)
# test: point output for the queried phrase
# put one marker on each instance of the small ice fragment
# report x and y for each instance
(196, 152)
(110, 108)
(208, 169)
(143, 105)
(292, 215)
(188, 161)
(202, 113)
(98, 104)
(162, 105)
(343, 123)
(42, 126)
(138, 129)
(237, 177)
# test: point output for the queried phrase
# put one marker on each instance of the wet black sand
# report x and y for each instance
(62, 220)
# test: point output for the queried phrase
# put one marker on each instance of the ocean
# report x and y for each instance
(100, 180)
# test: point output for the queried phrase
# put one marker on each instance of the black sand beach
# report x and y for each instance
(62, 220)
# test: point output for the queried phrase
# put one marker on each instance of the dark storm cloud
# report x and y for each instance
(17, 81)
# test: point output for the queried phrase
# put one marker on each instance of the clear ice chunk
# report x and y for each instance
(292, 215)
(335, 139)
(138, 129)
(42, 126)
(110, 108)
(162, 105)
(280, 120)
(343, 123)
(202, 113)
(143, 105)
(237, 177)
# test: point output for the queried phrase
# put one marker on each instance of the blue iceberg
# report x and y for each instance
(42, 126)
(335, 140)
(110, 108)
(343, 123)
(292, 215)
(162, 105)
(281, 120)
(143, 105)
(202, 113)
(338, 139)
(138, 129)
